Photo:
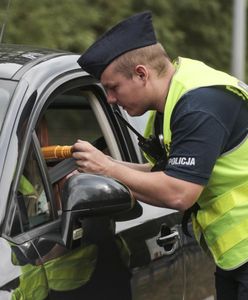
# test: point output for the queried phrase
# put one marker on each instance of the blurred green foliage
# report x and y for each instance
(200, 29)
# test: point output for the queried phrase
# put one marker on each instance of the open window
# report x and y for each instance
(78, 114)
(72, 115)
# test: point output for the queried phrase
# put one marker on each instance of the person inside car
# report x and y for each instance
(204, 116)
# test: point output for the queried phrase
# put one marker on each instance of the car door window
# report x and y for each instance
(72, 115)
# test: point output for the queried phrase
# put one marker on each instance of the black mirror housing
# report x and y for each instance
(87, 195)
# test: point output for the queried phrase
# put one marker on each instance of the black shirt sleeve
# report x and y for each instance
(205, 123)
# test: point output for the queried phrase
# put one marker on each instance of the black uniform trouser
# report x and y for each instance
(232, 285)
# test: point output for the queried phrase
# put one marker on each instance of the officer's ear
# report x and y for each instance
(141, 72)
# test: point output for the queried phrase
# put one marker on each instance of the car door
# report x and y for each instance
(69, 108)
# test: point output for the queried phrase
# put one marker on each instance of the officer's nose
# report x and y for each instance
(111, 98)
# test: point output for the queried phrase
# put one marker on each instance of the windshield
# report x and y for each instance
(6, 91)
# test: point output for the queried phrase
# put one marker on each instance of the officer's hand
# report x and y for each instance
(89, 159)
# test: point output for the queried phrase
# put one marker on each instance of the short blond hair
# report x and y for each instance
(154, 56)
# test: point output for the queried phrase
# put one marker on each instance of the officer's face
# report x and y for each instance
(130, 93)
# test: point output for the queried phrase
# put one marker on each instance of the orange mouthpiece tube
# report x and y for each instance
(57, 151)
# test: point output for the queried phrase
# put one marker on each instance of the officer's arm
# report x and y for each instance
(157, 188)
(146, 167)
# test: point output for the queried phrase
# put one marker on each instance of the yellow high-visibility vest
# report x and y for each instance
(223, 216)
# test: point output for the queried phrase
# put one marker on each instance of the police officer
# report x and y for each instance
(205, 119)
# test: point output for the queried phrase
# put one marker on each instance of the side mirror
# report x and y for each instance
(86, 195)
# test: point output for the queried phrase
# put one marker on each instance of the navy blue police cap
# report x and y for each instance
(132, 33)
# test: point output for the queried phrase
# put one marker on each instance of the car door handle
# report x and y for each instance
(169, 240)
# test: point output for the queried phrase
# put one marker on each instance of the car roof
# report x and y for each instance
(13, 58)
